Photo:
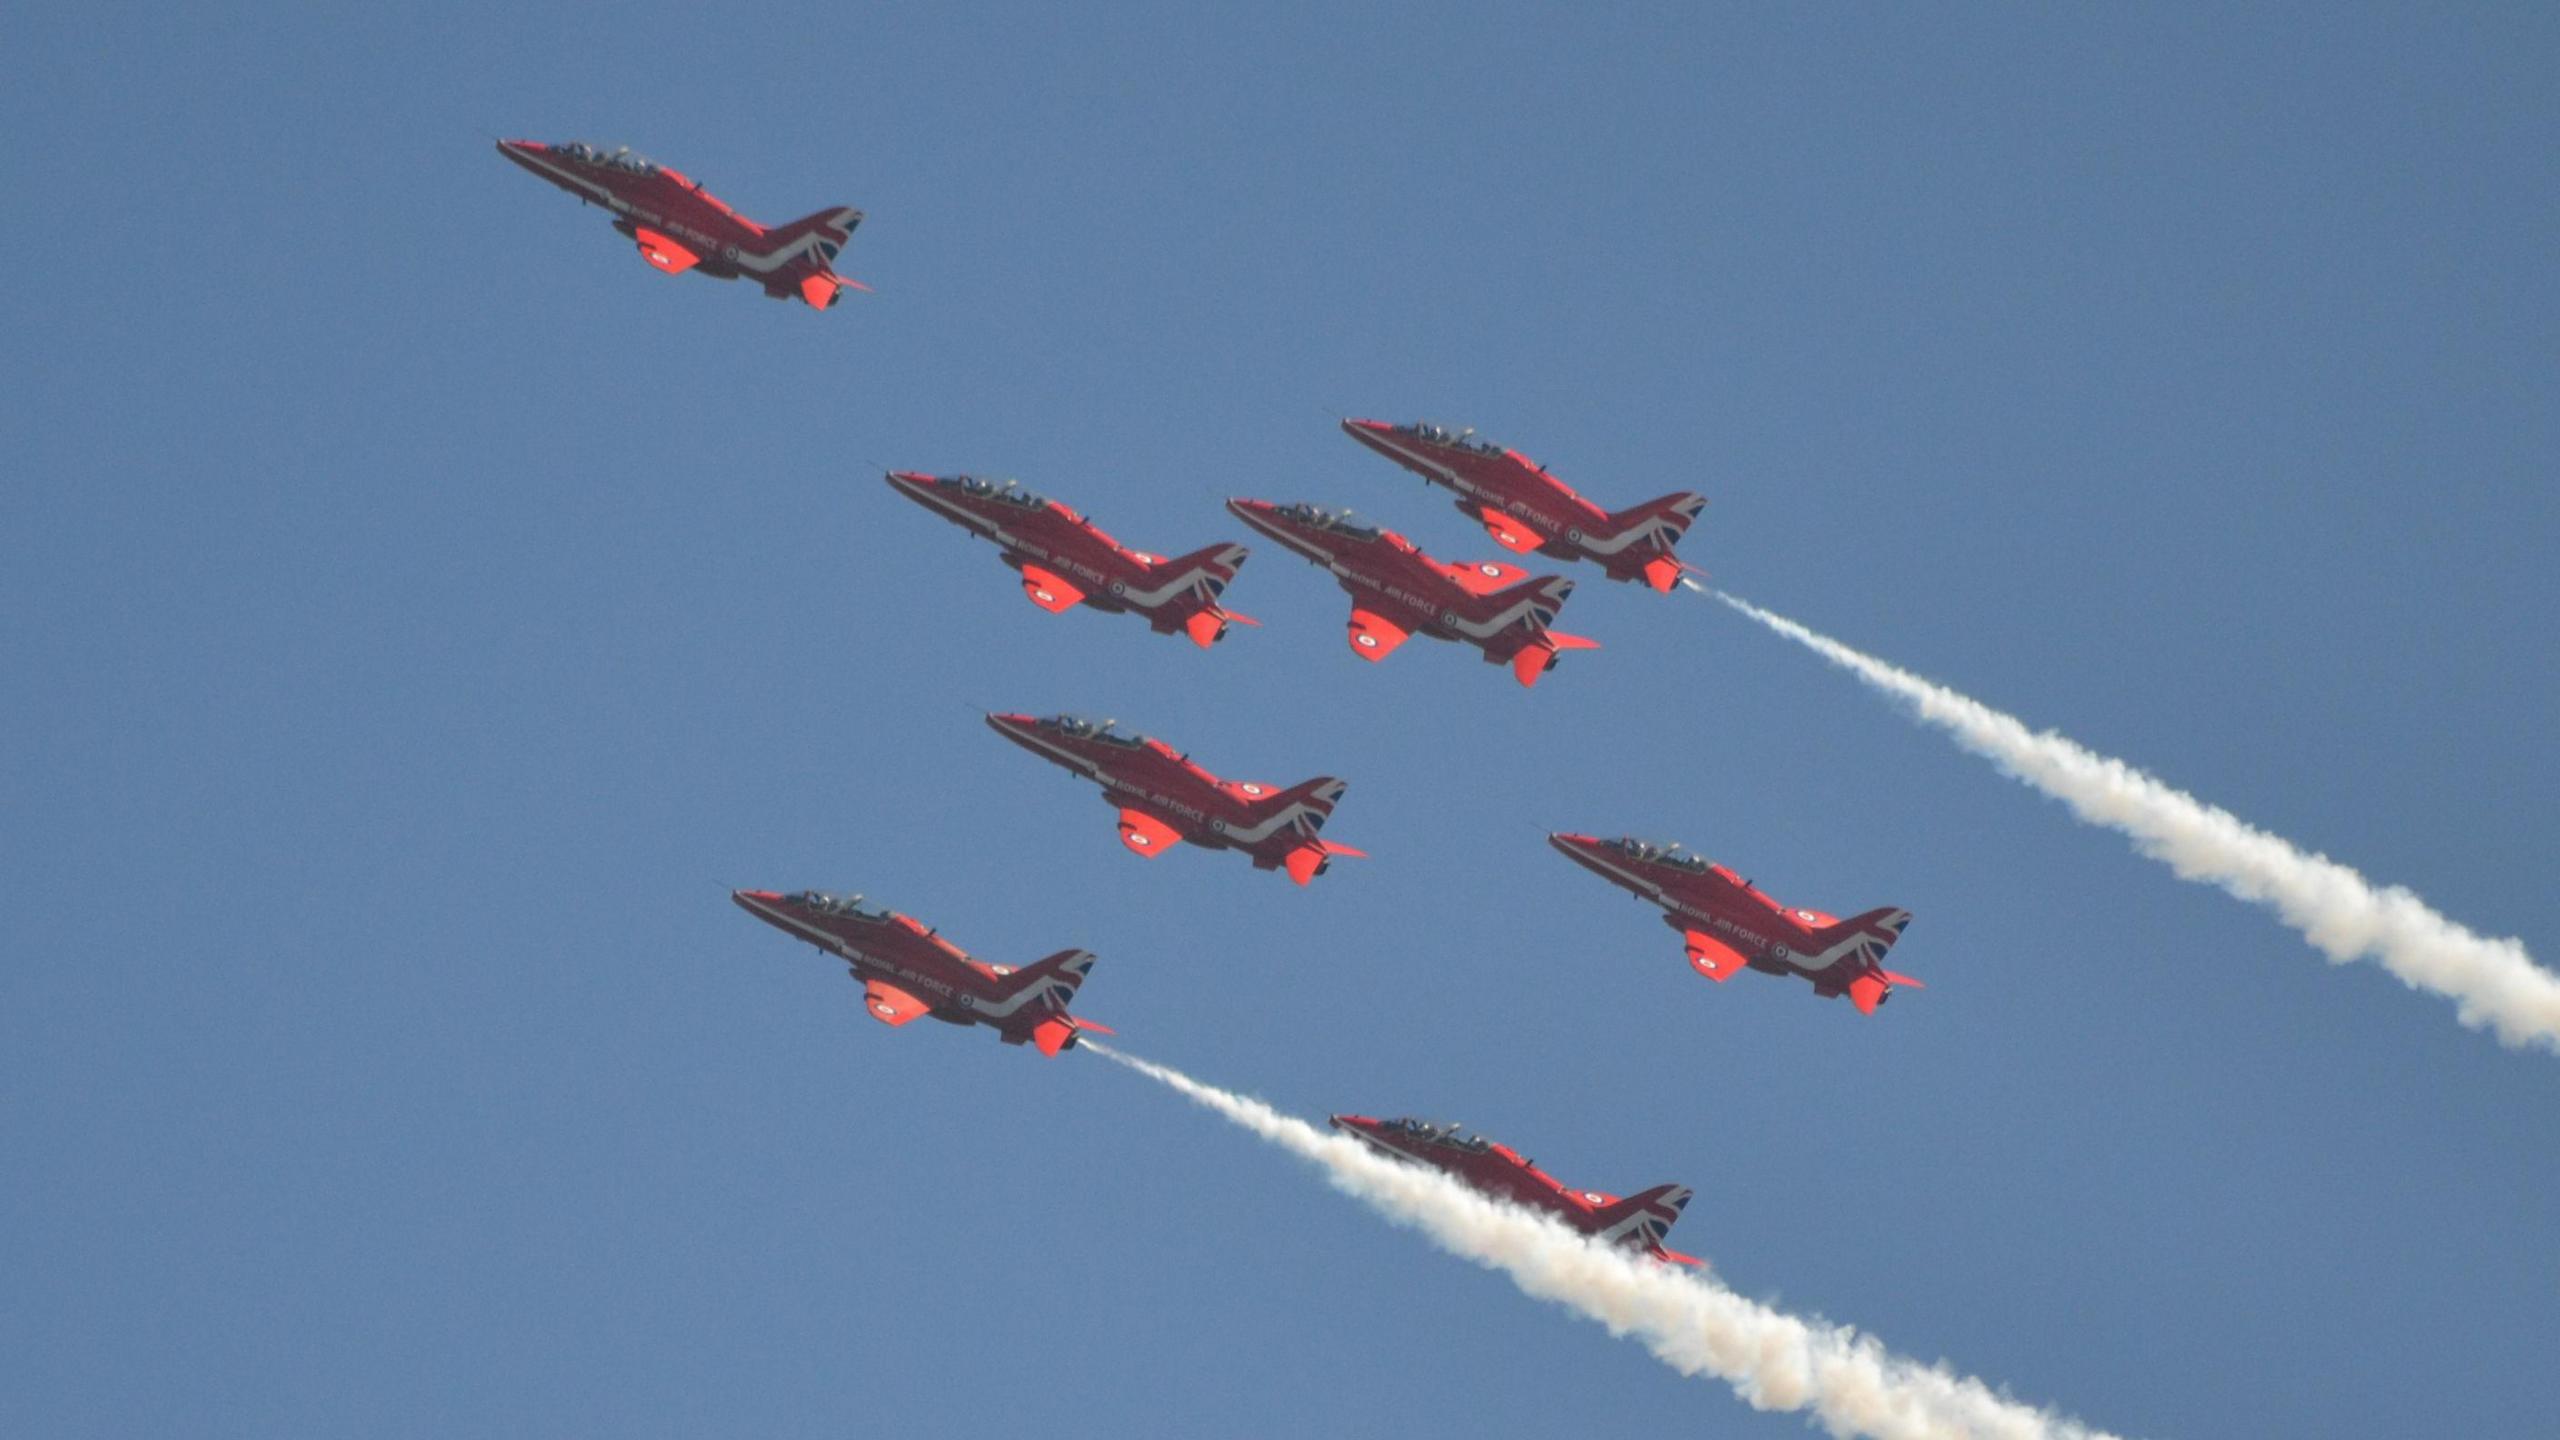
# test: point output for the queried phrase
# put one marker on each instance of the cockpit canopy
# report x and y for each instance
(825, 904)
(1443, 435)
(994, 488)
(1425, 1131)
(1319, 517)
(619, 158)
(1077, 727)
(1658, 853)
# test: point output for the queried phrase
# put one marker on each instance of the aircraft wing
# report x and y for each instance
(1714, 959)
(664, 253)
(1147, 833)
(890, 1005)
(1374, 636)
(1048, 590)
(1510, 531)
(1485, 576)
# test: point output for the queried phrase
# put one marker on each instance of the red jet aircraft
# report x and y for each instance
(907, 970)
(1165, 799)
(679, 226)
(1528, 509)
(1048, 542)
(1638, 1222)
(1728, 924)
(1397, 590)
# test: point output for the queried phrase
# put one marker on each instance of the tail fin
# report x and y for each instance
(1659, 523)
(1640, 539)
(1304, 807)
(1861, 940)
(1514, 625)
(1215, 564)
(824, 232)
(1534, 602)
(1048, 987)
(1850, 957)
(1203, 574)
(1644, 1218)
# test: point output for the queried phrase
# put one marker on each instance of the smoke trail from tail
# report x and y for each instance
(2345, 916)
(1774, 1361)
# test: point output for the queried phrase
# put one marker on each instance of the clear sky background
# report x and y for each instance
(416, 614)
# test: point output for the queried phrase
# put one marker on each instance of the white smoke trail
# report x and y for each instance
(1774, 1361)
(2344, 916)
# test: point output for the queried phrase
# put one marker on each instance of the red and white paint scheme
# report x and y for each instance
(1729, 925)
(1165, 800)
(1398, 592)
(1525, 508)
(1638, 1222)
(1066, 560)
(680, 226)
(908, 971)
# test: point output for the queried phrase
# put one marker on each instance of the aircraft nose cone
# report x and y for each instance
(907, 482)
(522, 153)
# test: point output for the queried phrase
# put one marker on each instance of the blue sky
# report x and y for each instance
(420, 613)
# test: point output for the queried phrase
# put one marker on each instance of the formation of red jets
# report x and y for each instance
(1163, 799)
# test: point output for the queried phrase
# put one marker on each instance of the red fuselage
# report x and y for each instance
(1397, 591)
(1164, 799)
(680, 226)
(909, 972)
(1730, 925)
(1066, 560)
(1638, 1222)
(1525, 508)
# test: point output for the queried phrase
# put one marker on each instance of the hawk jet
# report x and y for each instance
(1067, 561)
(1637, 1222)
(1729, 925)
(1398, 592)
(908, 971)
(1524, 508)
(1165, 800)
(680, 226)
